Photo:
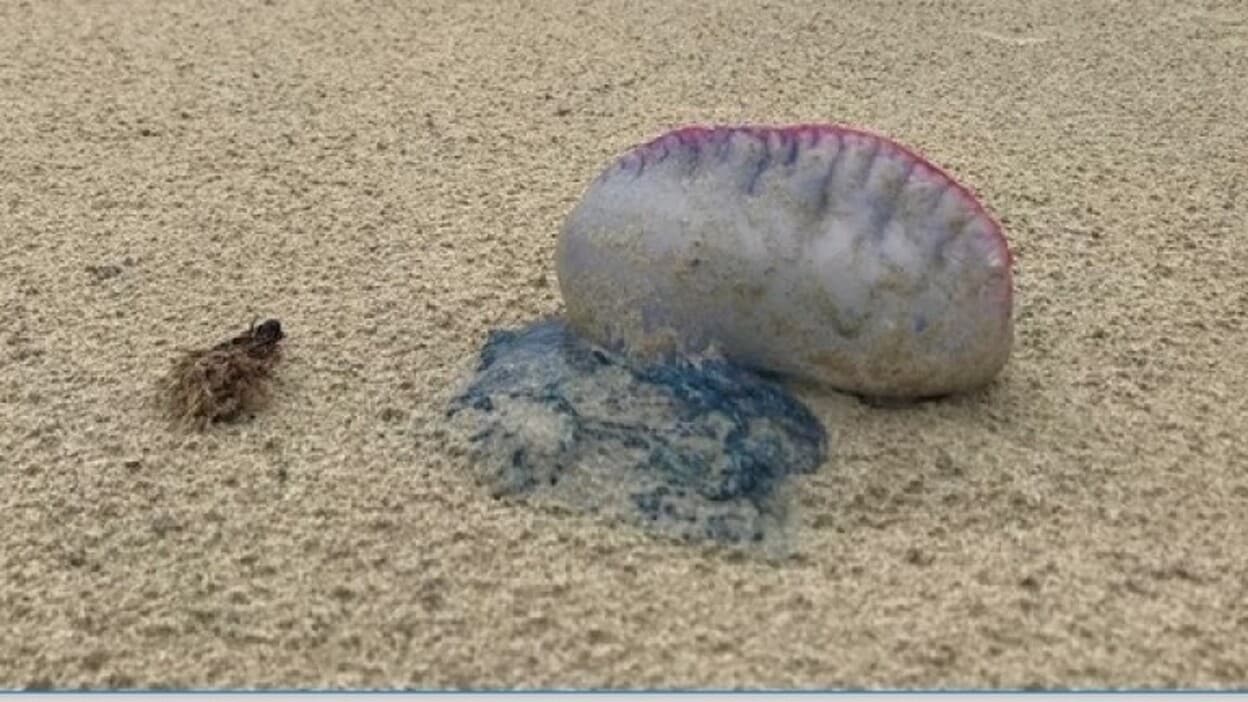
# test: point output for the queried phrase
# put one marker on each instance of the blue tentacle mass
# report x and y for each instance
(693, 448)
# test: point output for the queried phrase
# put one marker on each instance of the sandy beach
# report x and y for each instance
(389, 179)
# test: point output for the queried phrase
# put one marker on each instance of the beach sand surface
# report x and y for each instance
(389, 178)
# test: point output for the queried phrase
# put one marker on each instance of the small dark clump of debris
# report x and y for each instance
(219, 384)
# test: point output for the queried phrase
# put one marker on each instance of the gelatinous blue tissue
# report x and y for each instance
(693, 448)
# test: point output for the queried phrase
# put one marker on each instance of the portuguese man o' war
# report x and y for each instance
(702, 272)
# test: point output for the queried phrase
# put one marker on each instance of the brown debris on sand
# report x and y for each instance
(219, 384)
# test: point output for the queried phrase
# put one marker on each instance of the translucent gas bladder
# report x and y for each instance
(822, 253)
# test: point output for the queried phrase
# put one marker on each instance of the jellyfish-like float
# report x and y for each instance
(707, 273)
